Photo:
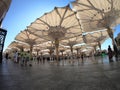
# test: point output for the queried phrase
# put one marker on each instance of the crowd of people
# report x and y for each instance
(25, 57)
(20, 57)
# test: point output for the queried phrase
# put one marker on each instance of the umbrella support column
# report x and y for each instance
(77, 55)
(31, 48)
(109, 30)
(99, 44)
(57, 52)
(115, 49)
(62, 57)
(71, 47)
(50, 53)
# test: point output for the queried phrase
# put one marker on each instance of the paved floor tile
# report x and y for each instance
(83, 76)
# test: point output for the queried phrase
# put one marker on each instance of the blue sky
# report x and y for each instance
(23, 12)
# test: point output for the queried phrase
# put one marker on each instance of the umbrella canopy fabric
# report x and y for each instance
(97, 14)
(26, 37)
(72, 41)
(97, 36)
(18, 45)
(39, 47)
(60, 23)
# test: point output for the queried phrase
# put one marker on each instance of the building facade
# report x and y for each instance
(4, 6)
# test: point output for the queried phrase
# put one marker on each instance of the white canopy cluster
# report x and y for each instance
(88, 22)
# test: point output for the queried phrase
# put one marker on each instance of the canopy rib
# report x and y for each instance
(44, 22)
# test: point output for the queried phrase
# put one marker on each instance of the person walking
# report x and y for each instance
(16, 57)
(28, 59)
(22, 57)
(82, 57)
(110, 54)
(6, 56)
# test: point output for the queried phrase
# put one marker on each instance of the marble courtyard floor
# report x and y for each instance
(97, 74)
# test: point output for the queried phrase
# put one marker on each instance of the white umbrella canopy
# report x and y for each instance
(12, 49)
(29, 38)
(62, 48)
(26, 37)
(72, 41)
(61, 23)
(94, 45)
(97, 36)
(84, 47)
(87, 49)
(58, 24)
(97, 14)
(44, 46)
(68, 52)
(39, 47)
(18, 45)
